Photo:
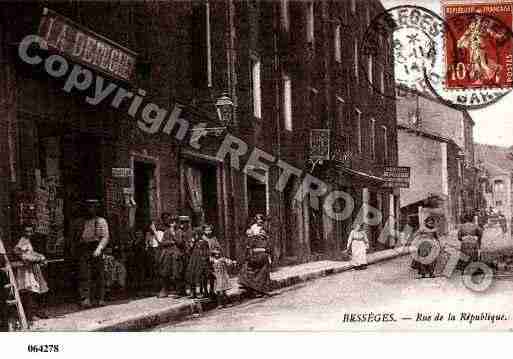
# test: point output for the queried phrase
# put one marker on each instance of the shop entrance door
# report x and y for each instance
(144, 193)
(200, 188)
(257, 203)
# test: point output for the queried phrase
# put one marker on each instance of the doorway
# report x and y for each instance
(199, 185)
(144, 193)
(257, 197)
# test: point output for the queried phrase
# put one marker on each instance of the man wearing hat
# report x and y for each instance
(91, 237)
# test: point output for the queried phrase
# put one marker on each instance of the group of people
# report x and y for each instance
(427, 246)
(180, 257)
(187, 259)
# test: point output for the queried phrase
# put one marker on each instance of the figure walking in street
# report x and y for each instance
(92, 237)
(358, 244)
(427, 248)
(469, 234)
(166, 257)
(255, 273)
(29, 277)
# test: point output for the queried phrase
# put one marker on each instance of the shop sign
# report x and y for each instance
(320, 144)
(121, 172)
(84, 46)
(398, 177)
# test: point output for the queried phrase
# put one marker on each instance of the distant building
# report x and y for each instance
(496, 175)
(436, 142)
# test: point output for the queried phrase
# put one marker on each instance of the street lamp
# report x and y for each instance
(224, 106)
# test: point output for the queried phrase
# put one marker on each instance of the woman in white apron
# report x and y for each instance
(358, 244)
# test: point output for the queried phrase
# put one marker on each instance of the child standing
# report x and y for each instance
(29, 277)
(222, 280)
(197, 268)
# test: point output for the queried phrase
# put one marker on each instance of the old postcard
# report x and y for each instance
(241, 165)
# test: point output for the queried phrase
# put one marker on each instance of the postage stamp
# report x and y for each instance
(481, 57)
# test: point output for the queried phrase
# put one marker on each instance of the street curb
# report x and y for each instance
(177, 312)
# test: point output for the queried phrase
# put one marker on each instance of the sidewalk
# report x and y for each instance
(148, 312)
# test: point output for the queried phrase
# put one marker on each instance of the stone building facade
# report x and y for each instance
(436, 141)
(289, 67)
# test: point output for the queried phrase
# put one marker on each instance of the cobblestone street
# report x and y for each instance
(388, 287)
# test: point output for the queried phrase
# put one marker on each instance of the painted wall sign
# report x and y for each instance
(85, 46)
(396, 176)
(121, 172)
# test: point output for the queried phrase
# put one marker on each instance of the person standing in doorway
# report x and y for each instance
(358, 244)
(93, 237)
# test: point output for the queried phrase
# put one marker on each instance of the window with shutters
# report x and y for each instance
(285, 18)
(337, 43)
(287, 102)
(257, 89)
(373, 138)
(355, 64)
(359, 130)
(310, 26)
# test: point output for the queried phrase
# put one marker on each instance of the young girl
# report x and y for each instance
(222, 280)
(197, 268)
(29, 277)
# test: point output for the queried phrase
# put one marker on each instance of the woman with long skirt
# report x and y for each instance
(427, 248)
(255, 273)
(358, 244)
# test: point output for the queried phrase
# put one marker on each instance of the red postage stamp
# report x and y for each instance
(478, 49)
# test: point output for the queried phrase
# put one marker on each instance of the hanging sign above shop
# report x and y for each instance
(320, 144)
(83, 45)
(398, 177)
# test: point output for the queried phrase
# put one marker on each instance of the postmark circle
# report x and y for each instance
(415, 35)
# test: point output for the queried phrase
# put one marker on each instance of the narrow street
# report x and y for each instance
(387, 287)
